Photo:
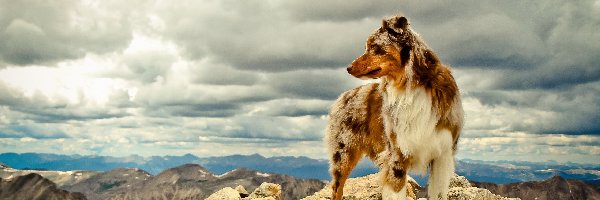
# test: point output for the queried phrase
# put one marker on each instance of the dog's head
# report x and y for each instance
(389, 50)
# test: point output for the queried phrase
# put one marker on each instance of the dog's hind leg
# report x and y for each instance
(343, 161)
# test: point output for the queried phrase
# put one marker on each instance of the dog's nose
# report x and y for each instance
(349, 68)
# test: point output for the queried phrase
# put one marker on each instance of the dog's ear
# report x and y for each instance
(395, 25)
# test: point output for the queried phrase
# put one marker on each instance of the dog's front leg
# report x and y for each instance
(394, 176)
(441, 170)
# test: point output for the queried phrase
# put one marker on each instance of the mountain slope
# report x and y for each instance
(189, 181)
(291, 187)
(553, 188)
(302, 167)
(182, 182)
(61, 178)
(104, 184)
(32, 187)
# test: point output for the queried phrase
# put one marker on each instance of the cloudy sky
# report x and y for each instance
(221, 77)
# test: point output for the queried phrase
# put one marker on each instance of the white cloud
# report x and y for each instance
(530, 147)
(27, 139)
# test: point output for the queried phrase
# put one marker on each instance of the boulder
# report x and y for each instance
(227, 193)
(368, 188)
(267, 190)
(242, 191)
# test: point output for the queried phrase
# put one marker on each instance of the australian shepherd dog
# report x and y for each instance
(409, 121)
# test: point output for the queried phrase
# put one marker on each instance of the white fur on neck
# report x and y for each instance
(414, 121)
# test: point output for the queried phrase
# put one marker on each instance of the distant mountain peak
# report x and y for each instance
(557, 178)
(184, 173)
(129, 171)
(190, 155)
(191, 168)
(34, 186)
(4, 166)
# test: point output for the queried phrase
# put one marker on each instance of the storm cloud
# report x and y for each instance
(224, 77)
(41, 32)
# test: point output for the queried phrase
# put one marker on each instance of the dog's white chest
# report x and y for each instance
(409, 114)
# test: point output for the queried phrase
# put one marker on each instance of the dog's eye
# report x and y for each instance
(377, 50)
(391, 31)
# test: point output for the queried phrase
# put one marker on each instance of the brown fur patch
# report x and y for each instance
(394, 171)
(437, 79)
(336, 175)
(398, 172)
(337, 157)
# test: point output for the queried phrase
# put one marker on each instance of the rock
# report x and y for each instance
(368, 188)
(459, 181)
(458, 193)
(361, 188)
(242, 191)
(227, 193)
(266, 190)
(291, 187)
(462, 189)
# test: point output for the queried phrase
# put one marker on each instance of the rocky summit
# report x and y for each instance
(368, 188)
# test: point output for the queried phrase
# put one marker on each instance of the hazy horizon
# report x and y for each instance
(364, 159)
(214, 77)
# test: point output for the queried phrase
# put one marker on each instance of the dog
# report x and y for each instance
(409, 121)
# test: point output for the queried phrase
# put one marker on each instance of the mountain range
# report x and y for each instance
(554, 188)
(499, 172)
(192, 181)
(188, 181)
